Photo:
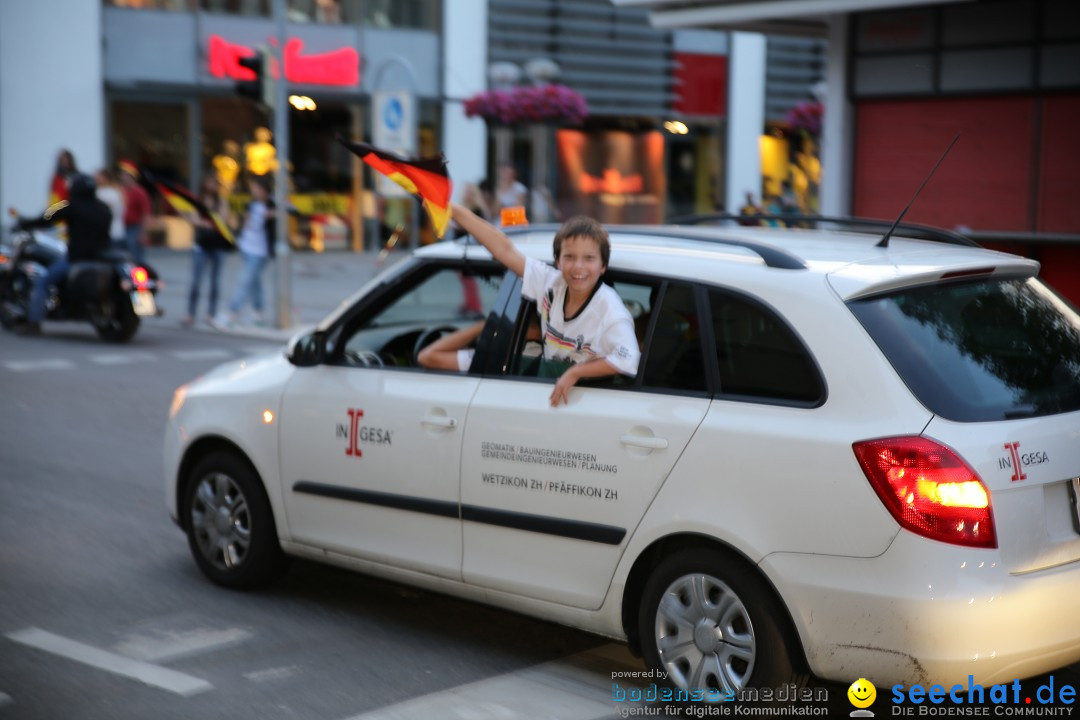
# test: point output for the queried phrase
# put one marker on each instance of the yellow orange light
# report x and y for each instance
(302, 102)
(970, 494)
(268, 417)
(513, 215)
(179, 395)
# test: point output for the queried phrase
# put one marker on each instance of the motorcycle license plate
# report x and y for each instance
(142, 301)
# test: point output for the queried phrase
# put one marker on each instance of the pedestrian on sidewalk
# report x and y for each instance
(110, 193)
(62, 175)
(208, 251)
(136, 211)
(256, 247)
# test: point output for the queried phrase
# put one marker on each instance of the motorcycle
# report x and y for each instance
(112, 292)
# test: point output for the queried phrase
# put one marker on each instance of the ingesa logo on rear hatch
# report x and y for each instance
(1017, 460)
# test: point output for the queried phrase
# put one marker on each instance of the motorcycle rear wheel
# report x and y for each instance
(116, 321)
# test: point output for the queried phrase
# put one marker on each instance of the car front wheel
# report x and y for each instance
(707, 622)
(230, 525)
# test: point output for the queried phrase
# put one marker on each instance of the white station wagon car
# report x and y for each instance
(837, 458)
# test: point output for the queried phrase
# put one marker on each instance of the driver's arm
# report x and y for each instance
(489, 236)
(54, 214)
(442, 354)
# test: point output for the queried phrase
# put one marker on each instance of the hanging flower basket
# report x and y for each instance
(806, 117)
(555, 104)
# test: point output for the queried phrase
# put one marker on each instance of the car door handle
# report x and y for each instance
(641, 441)
(439, 421)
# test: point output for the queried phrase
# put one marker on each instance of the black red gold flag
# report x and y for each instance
(426, 177)
(186, 202)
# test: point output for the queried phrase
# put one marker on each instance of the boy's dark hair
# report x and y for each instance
(583, 226)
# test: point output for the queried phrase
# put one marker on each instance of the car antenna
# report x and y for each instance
(885, 240)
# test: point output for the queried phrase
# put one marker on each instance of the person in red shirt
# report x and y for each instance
(136, 213)
(65, 170)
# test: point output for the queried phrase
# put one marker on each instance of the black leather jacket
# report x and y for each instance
(88, 222)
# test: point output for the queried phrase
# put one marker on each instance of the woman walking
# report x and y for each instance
(254, 244)
(209, 249)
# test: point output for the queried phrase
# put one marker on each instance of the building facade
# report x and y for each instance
(905, 77)
(152, 81)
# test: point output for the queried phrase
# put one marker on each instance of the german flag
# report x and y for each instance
(425, 177)
(185, 202)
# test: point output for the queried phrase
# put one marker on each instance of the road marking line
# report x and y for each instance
(207, 354)
(577, 687)
(272, 674)
(154, 675)
(47, 364)
(167, 646)
(122, 359)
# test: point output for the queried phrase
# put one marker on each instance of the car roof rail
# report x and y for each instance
(773, 257)
(912, 230)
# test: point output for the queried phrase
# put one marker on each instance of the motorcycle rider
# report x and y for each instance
(88, 221)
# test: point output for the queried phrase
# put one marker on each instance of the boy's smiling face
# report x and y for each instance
(580, 263)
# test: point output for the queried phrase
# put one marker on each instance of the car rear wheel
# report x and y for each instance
(707, 622)
(230, 525)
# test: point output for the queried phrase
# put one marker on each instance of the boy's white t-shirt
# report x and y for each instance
(603, 328)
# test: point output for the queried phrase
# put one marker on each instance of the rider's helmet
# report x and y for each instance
(81, 186)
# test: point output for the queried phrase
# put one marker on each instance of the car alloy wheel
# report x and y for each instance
(220, 521)
(708, 621)
(230, 524)
(704, 634)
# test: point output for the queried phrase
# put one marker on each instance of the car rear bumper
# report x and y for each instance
(927, 612)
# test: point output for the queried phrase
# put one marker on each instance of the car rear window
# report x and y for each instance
(981, 351)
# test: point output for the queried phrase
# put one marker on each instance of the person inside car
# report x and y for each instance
(587, 330)
(452, 352)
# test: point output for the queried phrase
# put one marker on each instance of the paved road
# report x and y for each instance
(104, 616)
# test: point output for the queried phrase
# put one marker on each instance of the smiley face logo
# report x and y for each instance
(862, 693)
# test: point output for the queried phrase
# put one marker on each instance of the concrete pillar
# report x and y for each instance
(837, 126)
(746, 118)
(51, 85)
(464, 48)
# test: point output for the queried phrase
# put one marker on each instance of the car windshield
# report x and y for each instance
(981, 351)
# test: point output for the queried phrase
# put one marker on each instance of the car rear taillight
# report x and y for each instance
(929, 489)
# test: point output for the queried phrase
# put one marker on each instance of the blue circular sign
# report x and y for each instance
(393, 114)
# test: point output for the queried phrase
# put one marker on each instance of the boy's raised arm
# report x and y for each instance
(490, 237)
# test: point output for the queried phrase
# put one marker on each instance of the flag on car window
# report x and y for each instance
(187, 203)
(426, 177)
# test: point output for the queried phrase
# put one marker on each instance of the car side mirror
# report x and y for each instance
(306, 349)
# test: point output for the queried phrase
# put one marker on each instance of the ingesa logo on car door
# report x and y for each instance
(355, 433)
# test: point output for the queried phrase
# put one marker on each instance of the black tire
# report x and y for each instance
(10, 310)
(721, 627)
(230, 525)
(119, 323)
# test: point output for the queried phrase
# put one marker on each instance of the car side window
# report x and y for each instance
(674, 358)
(638, 296)
(758, 355)
(421, 306)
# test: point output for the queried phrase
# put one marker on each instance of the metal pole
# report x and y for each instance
(283, 309)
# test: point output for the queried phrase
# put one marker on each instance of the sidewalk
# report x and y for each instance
(318, 283)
